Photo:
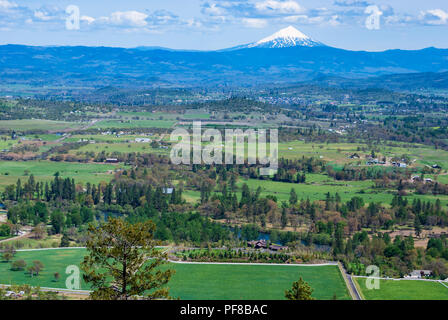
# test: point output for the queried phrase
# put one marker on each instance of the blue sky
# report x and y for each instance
(217, 24)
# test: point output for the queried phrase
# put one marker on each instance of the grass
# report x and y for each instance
(44, 171)
(339, 152)
(162, 115)
(107, 138)
(22, 125)
(129, 124)
(318, 185)
(194, 281)
(404, 290)
(120, 147)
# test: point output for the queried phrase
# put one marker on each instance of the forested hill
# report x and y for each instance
(103, 66)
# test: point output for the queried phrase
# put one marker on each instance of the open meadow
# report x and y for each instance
(44, 170)
(197, 281)
(33, 124)
(404, 290)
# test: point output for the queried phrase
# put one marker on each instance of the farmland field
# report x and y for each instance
(119, 147)
(404, 290)
(319, 185)
(125, 124)
(37, 125)
(10, 171)
(194, 281)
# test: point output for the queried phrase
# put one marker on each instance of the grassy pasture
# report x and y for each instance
(163, 115)
(22, 125)
(404, 290)
(318, 185)
(7, 144)
(44, 171)
(120, 147)
(339, 152)
(129, 124)
(107, 138)
(197, 281)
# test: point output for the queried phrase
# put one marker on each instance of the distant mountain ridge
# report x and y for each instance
(285, 57)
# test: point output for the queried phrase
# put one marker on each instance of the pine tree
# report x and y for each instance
(300, 291)
(293, 197)
(126, 253)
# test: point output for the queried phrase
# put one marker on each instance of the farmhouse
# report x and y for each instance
(262, 244)
(275, 247)
(257, 244)
(372, 162)
(399, 164)
(419, 274)
(354, 156)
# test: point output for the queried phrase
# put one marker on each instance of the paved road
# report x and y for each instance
(353, 287)
(350, 283)
(78, 292)
(23, 235)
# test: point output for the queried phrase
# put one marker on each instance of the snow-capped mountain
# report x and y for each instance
(287, 37)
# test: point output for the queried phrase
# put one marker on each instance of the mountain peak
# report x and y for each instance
(286, 33)
(287, 37)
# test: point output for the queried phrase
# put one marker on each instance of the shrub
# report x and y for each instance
(18, 265)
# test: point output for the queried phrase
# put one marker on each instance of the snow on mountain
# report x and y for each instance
(287, 37)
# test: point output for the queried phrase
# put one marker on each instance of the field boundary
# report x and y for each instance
(358, 288)
(259, 264)
(81, 292)
(198, 262)
(403, 279)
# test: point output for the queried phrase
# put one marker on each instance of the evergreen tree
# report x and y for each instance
(300, 291)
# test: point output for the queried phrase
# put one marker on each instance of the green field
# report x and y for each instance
(339, 152)
(404, 290)
(107, 138)
(129, 124)
(198, 281)
(37, 125)
(144, 115)
(43, 170)
(120, 147)
(318, 185)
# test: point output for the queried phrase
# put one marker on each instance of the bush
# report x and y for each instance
(5, 230)
(18, 265)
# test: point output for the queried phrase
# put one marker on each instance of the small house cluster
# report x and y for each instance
(419, 274)
(418, 179)
(262, 244)
(399, 164)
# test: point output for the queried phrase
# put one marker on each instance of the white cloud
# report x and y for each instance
(41, 15)
(87, 19)
(4, 4)
(128, 18)
(193, 23)
(315, 20)
(255, 23)
(214, 10)
(435, 17)
(280, 7)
